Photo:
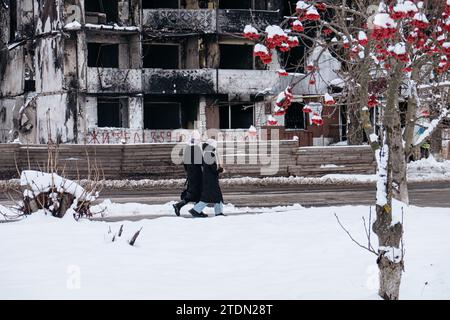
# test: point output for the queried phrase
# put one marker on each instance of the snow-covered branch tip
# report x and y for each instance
(431, 127)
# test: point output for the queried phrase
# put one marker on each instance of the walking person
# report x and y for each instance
(211, 193)
(192, 162)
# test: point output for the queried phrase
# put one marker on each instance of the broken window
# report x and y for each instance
(235, 4)
(236, 116)
(162, 56)
(30, 85)
(103, 55)
(160, 4)
(101, 11)
(294, 60)
(261, 4)
(162, 115)
(112, 113)
(234, 56)
(173, 112)
(12, 20)
(295, 117)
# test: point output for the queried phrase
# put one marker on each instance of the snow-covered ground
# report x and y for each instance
(425, 170)
(290, 252)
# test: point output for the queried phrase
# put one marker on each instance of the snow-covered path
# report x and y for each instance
(296, 254)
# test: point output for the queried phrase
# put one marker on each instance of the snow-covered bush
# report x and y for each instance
(54, 194)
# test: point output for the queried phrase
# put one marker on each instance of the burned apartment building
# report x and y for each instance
(114, 71)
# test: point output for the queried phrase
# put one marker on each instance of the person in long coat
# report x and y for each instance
(211, 192)
(192, 162)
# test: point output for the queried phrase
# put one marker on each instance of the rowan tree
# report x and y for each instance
(395, 58)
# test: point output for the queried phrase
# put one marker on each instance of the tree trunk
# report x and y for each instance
(392, 172)
(390, 263)
(390, 279)
(354, 132)
(411, 117)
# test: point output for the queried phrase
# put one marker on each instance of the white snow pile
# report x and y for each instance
(110, 209)
(8, 214)
(250, 29)
(274, 30)
(384, 20)
(298, 253)
(37, 182)
(74, 25)
(114, 26)
(429, 169)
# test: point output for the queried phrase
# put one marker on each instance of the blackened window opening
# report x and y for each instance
(162, 115)
(294, 60)
(295, 117)
(103, 55)
(108, 7)
(109, 113)
(12, 20)
(160, 4)
(236, 57)
(235, 4)
(161, 56)
(236, 116)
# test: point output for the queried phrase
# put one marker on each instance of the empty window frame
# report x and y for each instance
(236, 116)
(295, 117)
(108, 7)
(235, 4)
(12, 20)
(103, 55)
(112, 113)
(162, 115)
(160, 4)
(161, 56)
(234, 56)
(294, 60)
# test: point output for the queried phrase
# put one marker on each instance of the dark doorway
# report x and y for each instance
(162, 115)
(111, 113)
(103, 55)
(160, 4)
(161, 56)
(236, 56)
(235, 4)
(12, 20)
(170, 112)
(295, 117)
(108, 7)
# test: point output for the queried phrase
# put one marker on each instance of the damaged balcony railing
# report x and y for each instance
(209, 81)
(114, 80)
(206, 20)
(234, 20)
(175, 20)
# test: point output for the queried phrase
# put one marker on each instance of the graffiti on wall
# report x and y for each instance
(130, 136)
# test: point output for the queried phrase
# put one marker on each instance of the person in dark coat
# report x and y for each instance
(192, 162)
(211, 193)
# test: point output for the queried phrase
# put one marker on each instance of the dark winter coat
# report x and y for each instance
(211, 189)
(192, 162)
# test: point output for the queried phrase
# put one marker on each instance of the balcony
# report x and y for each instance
(188, 81)
(206, 20)
(208, 81)
(246, 81)
(114, 80)
(176, 20)
(235, 20)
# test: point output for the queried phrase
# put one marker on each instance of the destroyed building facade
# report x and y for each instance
(97, 71)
